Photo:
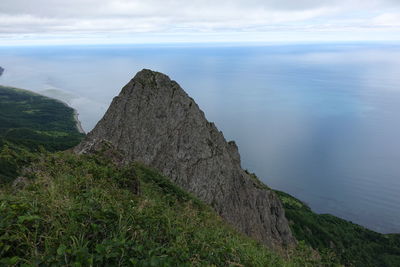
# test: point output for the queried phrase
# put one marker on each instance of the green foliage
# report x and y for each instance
(349, 243)
(165, 187)
(77, 211)
(30, 123)
(12, 158)
(32, 120)
(257, 182)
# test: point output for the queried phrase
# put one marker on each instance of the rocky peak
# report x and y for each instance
(155, 122)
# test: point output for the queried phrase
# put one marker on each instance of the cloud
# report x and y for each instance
(113, 17)
(387, 20)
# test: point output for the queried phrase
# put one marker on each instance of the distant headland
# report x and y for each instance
(1, 71)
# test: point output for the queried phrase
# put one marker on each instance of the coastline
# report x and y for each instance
(78, 123)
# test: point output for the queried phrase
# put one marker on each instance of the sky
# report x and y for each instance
(24, 22)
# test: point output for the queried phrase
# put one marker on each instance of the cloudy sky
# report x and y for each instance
(156, 21)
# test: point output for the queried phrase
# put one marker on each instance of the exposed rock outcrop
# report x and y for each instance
(155, 122)
(1, 71)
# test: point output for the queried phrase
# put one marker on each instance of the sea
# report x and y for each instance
(320, 121)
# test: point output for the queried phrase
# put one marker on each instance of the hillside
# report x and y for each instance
(352, 244)
(29, 121)
(86, 211)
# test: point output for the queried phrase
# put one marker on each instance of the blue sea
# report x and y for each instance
(319, 121)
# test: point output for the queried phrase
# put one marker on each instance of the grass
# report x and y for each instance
(29, 123)
(12, 159)
(85, 211)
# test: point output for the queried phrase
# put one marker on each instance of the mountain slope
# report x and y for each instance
(352, 244)
(155, 122)
(87, 211)
(28, 122)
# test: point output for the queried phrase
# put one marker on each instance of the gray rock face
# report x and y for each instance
(155, 122)
(1, 71)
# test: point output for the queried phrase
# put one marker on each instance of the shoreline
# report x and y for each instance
(78, 123)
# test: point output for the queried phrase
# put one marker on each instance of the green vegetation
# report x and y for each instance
(352, 244)
(12, 158)
(257, 182)
(31, 120)
(85, 211)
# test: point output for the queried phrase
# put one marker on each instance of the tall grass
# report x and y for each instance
(85, 211)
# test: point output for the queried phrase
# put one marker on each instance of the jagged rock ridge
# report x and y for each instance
(155, 122)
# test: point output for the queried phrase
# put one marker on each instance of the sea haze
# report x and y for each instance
(320, 122)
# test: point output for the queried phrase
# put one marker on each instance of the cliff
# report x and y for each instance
(155, 122)
(1, 71)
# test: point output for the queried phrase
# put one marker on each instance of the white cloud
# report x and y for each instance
(129, 17)
(387, 20)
